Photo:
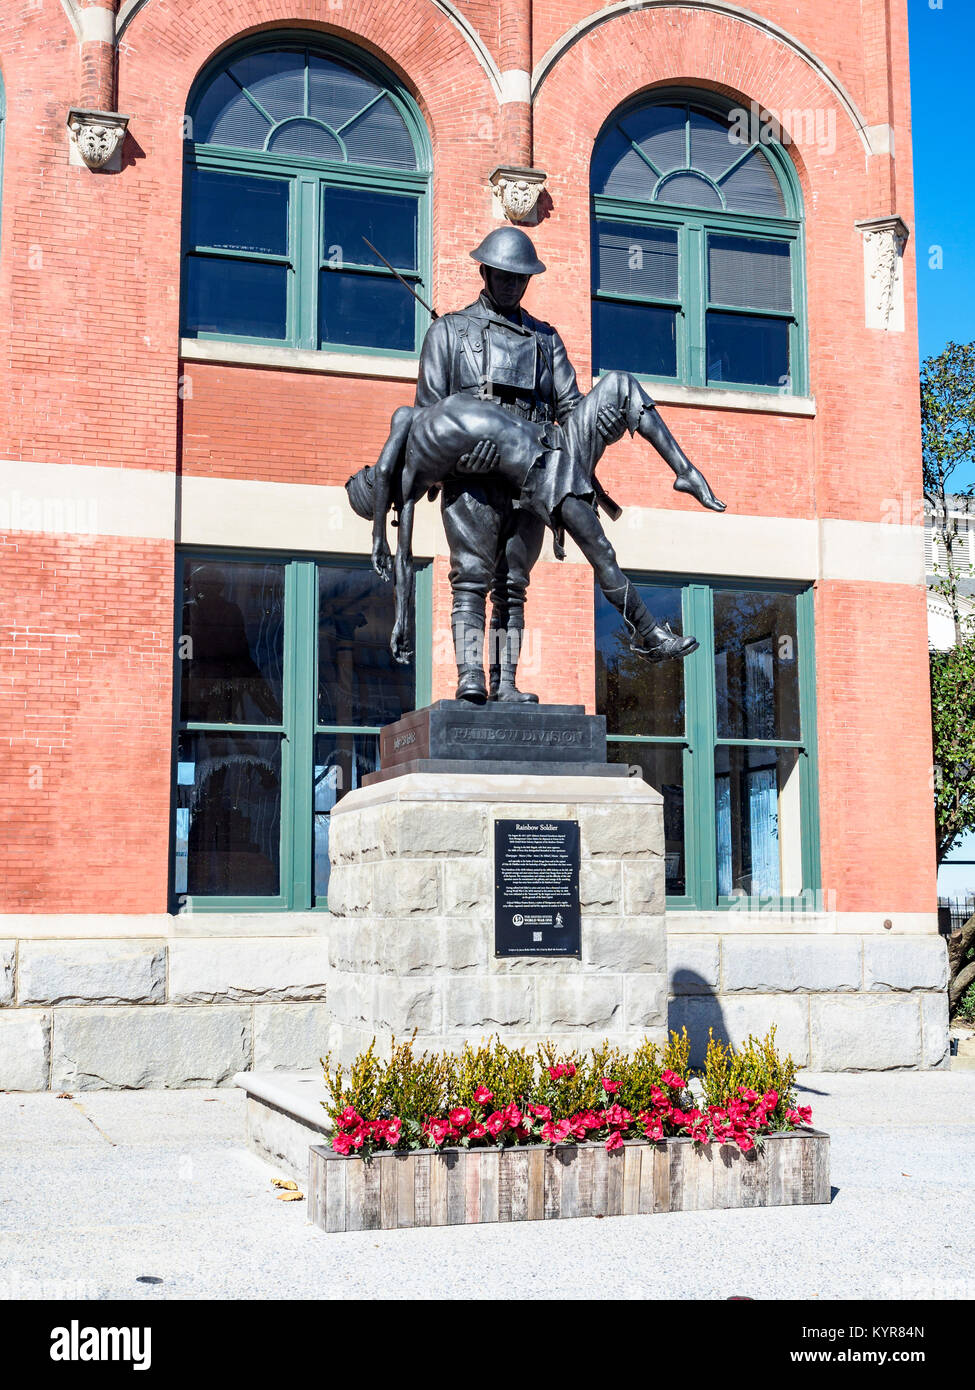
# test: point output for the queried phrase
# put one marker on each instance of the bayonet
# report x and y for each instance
(419, 299)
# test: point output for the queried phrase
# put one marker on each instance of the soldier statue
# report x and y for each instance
(501, 430)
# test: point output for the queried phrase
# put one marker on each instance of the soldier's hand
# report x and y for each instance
(382, 560)
(481, 459)
(611, 423)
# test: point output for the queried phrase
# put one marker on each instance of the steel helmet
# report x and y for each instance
(508, 248)
(361, 493)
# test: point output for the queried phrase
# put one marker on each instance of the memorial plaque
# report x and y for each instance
(536, 888)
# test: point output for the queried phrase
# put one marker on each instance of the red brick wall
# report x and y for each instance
(86, 661)
(89, 351)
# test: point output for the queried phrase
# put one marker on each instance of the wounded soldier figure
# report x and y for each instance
(491, 424)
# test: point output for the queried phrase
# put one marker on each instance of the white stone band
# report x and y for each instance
(97, 25)
(516, 85)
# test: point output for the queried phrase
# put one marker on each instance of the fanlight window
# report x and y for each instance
(697, 253)
(299, 157)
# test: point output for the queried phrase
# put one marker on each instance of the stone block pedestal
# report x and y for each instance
(411, 898)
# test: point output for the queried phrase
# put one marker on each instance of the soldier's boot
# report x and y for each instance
(647, 637)
(504, 653)
(467, 621)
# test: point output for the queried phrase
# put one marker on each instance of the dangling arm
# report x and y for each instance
(402, 641)
(388, 466)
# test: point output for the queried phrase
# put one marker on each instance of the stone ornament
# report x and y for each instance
(884, 239)
(517, 191)
(96, 136)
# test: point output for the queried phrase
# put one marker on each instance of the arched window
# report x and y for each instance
(697, 249)
(297, 153)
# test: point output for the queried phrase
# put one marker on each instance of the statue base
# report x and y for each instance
(455, 736)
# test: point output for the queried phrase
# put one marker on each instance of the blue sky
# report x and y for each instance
(942, 58)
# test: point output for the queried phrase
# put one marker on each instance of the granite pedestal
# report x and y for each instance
(411, 901)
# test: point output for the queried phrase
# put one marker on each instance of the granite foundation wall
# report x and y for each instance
(130, 1012)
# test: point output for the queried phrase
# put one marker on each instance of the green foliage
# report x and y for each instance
(757, 1066)
(966, 1009)
(509, 1073)
(953, 725)
(406, 1085)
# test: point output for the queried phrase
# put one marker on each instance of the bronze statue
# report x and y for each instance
(502, 431)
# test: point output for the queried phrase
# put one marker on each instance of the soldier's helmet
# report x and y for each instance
(361, 494)
(508, 248)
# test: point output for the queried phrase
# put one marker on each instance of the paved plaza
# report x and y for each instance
(106, 1189)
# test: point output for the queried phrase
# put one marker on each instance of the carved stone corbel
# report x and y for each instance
(884, 239)
(516, 192)
(95, 138)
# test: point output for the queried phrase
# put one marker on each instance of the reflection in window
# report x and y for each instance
(662, 767)
(635, 696)
(757, 815)
(358, 680)
(232, 643)
(341, 762)
(756, 666)
(228, 810)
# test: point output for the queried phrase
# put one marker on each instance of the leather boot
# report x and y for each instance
(647, 637)
(505, 651)
(468, 627)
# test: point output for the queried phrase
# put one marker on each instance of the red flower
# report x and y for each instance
(436, 1130)
(495, 1123)
(521, 1134)
(615, 1141)
(671, 1079)
(477, 1131)
(562, 1069)
(569, 1070)
(513, 1115)
(482, 1095)
(744, 1143)
(348, 1118)
(770, 1099)
(541, 1112)
(611, 1087)
(341, 1143)
(460, 1117)
(393, 1128)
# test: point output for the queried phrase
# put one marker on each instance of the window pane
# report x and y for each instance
(366, 311)
(239, 212)
(276, 80)
(660, 132)
(756, 792)
(336, 93)
(637, 260)
(638, 696)
(689, 190)
(228, 815)
(748, 272)
(246, 298)
(756, 665)
(748, 348)
(619, 171)
(388, 220)
(224, 116)
(754, 188)
(307, 139)
(380, 136)
(662, 767)
(638, 338)
(712, 147)
(358, 680)
(232, 643)
(341, 762)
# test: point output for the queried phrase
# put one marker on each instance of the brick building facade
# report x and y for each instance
(192, 366)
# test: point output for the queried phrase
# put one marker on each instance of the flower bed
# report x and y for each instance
(499, 1134)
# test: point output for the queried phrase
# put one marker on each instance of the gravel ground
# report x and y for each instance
(107, 1188)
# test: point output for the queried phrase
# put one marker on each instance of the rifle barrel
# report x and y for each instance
(419, 299)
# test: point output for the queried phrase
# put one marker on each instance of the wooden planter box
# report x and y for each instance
(458, 1187)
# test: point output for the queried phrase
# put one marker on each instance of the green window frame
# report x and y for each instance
(684, 299)
(700, 744)
(305, 261)
(296, 729)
